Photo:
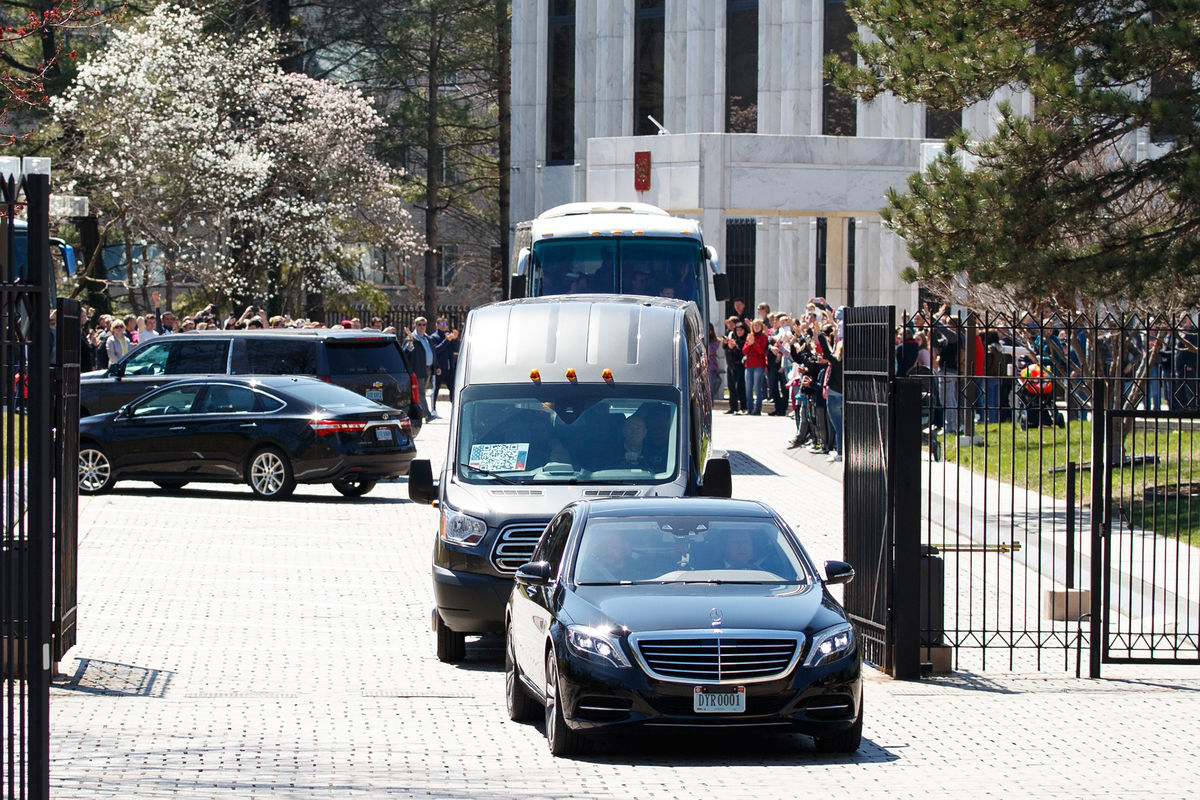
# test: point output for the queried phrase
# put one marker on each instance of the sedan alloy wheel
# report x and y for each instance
(563, 741)
(271, 474)
(95, 470)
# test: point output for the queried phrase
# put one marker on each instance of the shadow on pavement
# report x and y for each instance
(119, 680)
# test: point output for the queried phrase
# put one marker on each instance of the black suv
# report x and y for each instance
(368, 362)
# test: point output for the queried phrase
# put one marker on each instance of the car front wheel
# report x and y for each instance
(563, 741)
(451, 645)
(521, 707)
(848, 741)
(270, 474)
(95, 470)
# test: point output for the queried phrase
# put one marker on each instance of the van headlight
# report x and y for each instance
(462, 529)
(596, 645)
(830, 645)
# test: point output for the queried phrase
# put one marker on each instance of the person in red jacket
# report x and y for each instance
(755, 352)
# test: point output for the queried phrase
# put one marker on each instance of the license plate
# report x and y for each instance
(375, 394)
(383, 434)
(719, 700)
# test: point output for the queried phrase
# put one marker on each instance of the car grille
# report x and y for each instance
(717, 659)
(515, 545)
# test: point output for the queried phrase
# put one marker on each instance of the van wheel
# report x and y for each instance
(353, 487)
(451, 645)
(95, 470)
(270, 475)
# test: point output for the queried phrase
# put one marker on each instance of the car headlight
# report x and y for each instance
(460, 528)
(596, 644)
(830, 644)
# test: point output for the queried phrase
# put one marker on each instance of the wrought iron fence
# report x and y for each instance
(1015, 459)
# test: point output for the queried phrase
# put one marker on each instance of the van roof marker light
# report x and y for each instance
(607, 375)
(535, 376)
(571, 376)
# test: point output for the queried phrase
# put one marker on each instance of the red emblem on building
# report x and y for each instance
(641, 171)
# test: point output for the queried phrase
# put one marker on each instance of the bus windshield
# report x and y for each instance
(568, 433)
(658, 267)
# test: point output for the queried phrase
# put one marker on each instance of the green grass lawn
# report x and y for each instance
(1028, 459)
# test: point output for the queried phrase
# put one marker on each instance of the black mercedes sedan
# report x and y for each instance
(679, 612)
(271, 432)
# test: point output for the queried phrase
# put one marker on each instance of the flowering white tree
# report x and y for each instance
(239, 172)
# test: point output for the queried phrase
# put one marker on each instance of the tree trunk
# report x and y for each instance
(433, 165)
(504, 101)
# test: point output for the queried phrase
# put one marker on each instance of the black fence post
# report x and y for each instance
(40, 525)
(906, 527)
(1099, 517)
(1072, 475)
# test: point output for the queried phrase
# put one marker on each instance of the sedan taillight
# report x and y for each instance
(324, 427)
(416, 393)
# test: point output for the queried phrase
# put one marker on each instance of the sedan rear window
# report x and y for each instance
(364, 357)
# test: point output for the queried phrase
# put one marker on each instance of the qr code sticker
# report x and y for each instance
(499, 457)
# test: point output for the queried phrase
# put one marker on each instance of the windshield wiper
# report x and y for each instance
(491, 474)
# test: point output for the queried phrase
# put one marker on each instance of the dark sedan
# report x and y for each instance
(271, 432)
(679, 612)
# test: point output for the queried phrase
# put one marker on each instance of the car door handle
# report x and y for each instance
(179, 427)
(248, 425)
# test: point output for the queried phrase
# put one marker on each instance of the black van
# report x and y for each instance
(368, 362)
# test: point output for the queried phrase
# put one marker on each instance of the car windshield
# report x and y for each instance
(677, 549)
(568, 433)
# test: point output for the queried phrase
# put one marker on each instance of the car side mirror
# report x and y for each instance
(535, 573)
(116, 370)
(421, 486)
(125, 412)
(718, 479)
(838, 572)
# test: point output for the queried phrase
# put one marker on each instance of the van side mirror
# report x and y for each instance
(838, 572)
(535, 573)
(718, 479)
(421, 486)
(516, 289)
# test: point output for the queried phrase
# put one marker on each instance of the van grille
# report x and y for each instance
(717, 659)
(515, 545)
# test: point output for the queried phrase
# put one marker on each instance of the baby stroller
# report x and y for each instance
(1035, 399)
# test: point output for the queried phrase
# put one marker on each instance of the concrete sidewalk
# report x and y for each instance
(235, 648)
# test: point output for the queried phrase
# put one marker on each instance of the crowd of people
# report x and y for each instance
(792, 362)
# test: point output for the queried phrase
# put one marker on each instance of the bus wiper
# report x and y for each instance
(491, 474)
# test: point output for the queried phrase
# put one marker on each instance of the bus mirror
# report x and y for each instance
(721, 286)
(517, 287)
(522, 262)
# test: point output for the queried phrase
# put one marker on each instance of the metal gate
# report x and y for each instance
(1150, 604)
(38, 429)
(881, 528)
(741, 235)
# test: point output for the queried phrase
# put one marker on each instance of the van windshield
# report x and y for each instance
(568, 433)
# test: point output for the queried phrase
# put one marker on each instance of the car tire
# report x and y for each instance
(270, 474)
(350, 486)
(562, 740)
(848, 741)
(521, 707)
(451, 645)
(96, 474)
(171, 486)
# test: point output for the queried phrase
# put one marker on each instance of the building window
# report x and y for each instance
(649, 41)
(560, 95)
(840, 117)
(741, 66)
(447, 265)
(942, 124)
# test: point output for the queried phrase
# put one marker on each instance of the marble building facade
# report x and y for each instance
(814, 199)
